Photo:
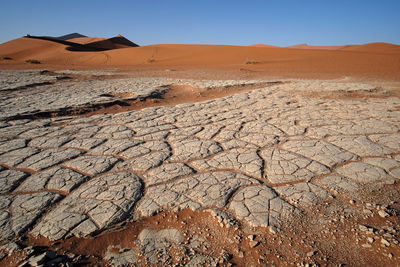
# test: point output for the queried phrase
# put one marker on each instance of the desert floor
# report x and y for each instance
(162, 163)
(100, 167)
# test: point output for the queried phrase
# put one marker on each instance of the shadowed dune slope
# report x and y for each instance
(84, 43)
(70, 36)
(113, 43)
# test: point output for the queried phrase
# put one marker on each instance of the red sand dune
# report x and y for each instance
(370, 47)
(376, 60)
(374, 48)
(318, 47)
(46, 52)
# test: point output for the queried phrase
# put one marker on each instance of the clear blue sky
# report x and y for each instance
(276, 22)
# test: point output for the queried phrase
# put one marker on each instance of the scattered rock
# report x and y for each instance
(222, 217)
(253, 243)
(273, 230)
(10, 247)
(118, 256)
(383, 214)
(37, 260)
(367, 211)
(385, 242)
(311, 253)
(251, 237)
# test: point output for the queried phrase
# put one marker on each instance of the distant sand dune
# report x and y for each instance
(375, 60)
(318, 47)
(375, 47)
(370, 47)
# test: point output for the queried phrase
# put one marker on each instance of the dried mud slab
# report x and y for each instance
(283, 177)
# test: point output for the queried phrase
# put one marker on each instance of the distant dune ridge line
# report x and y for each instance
(325, 47)
(367, 46)
(71, 36)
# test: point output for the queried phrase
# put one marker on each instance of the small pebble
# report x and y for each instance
(363, 227)
(311, 253)
(273, 230)
(253, 243)
(385, 242)
(367, 211)
(383, 214)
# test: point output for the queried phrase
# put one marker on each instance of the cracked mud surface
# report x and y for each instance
(268, 160)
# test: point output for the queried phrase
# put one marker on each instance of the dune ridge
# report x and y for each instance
(70, 36)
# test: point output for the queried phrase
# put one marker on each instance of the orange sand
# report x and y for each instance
(375, 60)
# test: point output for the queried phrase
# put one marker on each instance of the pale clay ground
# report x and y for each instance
(260, 157)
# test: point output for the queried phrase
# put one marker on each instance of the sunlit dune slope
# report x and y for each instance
(86, 40)
(47, 52)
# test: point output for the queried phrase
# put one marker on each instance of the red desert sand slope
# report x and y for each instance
(375, 60)
(318, 47)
